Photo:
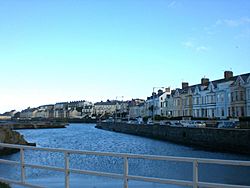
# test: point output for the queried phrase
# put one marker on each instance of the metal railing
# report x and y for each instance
(195, 183)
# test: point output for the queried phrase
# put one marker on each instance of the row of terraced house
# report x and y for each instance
(223, 98)
(77, 109)
(74, 109)
(228, 97)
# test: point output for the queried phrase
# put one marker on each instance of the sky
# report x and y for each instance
(55, 51)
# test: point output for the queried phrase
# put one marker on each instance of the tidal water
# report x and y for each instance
(87, 137)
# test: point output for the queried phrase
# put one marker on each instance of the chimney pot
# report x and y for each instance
(205, 81)
(228, 75)
(184, 85)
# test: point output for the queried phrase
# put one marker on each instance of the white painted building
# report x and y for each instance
(155, 104)
(223, 98)
(136, 108)
(247, 85)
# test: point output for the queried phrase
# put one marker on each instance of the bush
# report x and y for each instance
(4, 185)
(175, 118)
(247, 118)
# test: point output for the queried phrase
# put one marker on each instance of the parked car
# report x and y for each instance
(109, 120)
(150, 122)
(164, 123)
(200, 124)
(175, 124)
(197, 124)
(228, 124)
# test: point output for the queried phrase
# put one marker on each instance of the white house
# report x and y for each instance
(247, 85)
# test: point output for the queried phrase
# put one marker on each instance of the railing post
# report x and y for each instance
(195, 174)
(125, 173)
(22, 165)
(66, 166)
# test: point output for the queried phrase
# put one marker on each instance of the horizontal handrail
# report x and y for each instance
(194, 183)
(96, 173)
(121, 155)
(4, 161)
(161, 180)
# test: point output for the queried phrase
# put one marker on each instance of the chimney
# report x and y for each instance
(228, 74)
(153, 93)
(184, 85)
(205, 81)
(167, 89)
(160, 92)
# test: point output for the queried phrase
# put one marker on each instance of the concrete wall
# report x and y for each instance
(231, 140)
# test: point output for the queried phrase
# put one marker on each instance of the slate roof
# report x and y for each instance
(114, 102)
(215, 83)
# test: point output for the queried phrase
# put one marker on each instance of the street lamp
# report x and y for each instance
(116, 106)
(153, 98)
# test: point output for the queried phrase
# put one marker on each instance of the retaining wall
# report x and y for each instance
(231, 140)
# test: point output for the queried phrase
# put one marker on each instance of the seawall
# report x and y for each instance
(33, 125)
(229, 140)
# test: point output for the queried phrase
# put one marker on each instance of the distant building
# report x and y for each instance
(110, 108)
(223, 98)
(4, 117)
(155, 104)
(8, 115)
(28, 113)
(136, 108)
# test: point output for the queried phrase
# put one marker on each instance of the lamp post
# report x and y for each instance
(153, 98)
(116, 106)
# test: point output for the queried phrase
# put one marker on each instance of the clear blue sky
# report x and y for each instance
(54, 50)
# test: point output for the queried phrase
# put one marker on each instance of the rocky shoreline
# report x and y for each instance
(11, 137)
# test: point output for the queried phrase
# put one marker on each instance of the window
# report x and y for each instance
(237, 111)
(241, 95)
(212, 112)
(242, 111)
(222, 97)
(213, 99)
(233, 111)
(222, 112)
(236, 96)
(229, 97)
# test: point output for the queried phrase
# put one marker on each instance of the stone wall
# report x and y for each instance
(231, 140)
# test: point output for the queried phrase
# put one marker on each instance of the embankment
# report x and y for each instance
(229, 140)
(11, 137)
(33, 125)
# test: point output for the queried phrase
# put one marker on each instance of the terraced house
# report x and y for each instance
(223, 98)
